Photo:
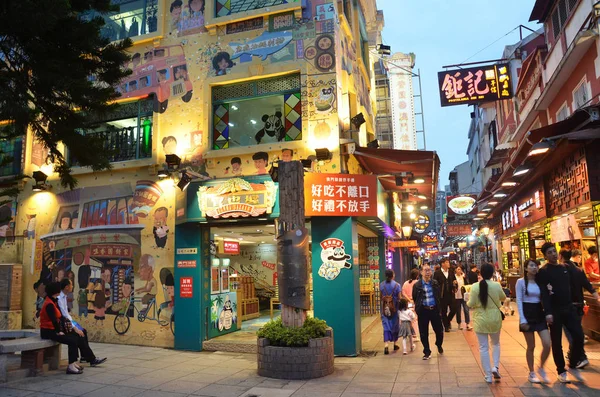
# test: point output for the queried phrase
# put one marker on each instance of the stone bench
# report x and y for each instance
(35, 352)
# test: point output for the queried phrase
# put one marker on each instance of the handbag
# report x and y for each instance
(65, 325)
(498, 307)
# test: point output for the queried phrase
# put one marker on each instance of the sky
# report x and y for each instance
(447, 32)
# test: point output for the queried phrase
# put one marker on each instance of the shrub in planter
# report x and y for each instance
(280, 335)
(295, 353)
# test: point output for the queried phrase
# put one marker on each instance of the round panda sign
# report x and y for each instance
(334, 258)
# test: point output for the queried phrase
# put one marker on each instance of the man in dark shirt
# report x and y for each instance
(426, 296)
(448, 285)
(554, 280)
(473, 276)
(579, 282)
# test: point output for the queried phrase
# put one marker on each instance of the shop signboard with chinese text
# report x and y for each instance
(458, 230)
(237, 198)
(524, 211)
(421, 223)
(186, 287)
(403, 244)
(231, 247)
(475, 85)
(340, 195)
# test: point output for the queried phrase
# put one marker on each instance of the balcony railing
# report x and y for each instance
(128, 143)
(228, 7)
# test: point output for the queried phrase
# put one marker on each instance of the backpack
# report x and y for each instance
(389, 308)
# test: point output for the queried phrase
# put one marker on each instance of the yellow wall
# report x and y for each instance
(190, 123)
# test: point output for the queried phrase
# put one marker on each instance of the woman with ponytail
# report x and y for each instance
(485, 300)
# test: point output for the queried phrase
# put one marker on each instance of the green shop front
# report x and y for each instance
(226, 283)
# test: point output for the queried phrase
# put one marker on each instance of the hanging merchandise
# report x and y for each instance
(122, 31)
(134, 29)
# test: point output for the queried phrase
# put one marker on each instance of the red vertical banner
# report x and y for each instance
(186, 287)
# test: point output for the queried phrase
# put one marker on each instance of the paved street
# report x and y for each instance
(153, 372)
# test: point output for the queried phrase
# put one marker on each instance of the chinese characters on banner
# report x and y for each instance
(231, 247)
(186, 287)
(340, 195)
(111, 250)
(458, 230)
(402, 102)
(472, 85)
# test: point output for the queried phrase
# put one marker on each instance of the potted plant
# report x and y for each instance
(295, 352)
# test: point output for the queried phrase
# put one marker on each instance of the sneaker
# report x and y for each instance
(426, 356)
(97, 361)
(543, 376)
(440, 350)
(533, 378)
(496, 373)
(581, 364)
(512, 312)
(563, 378)
(413, 347)
(577, 375)
(447, 329)
(404, 353)
(469, 328)
(396, 347)
(488, 379)
(386, 351)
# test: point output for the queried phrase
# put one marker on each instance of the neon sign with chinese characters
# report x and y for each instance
(474, 85)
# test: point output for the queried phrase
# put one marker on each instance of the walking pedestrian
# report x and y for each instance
(406, 317)
(426, 295)
(473, 276)
(461, 304)
(579, 282)
(407, 289)
(485, 300)
(532, 319)
(447, 281)
(555, 280)
(390, 295)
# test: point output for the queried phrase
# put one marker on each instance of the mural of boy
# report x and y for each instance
(99, 304)
(169, 144)
(146, 273)
(82, 302)
(261, 160)
(30, 232)
(236, 166)
(175, 10)
(160, 228)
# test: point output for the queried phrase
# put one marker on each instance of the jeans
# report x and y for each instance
(433, 317)
(484, 351)
(83, 311)
(460, 303)
(570, 320)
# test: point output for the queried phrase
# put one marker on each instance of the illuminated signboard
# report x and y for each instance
(474, 85)
(461, 205)
(237, 198)
(431, 237)
(421, 223)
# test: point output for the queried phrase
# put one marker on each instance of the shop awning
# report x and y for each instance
(500, 153)
(387, 163)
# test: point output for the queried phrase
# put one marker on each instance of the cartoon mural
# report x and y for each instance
(7, 224)
(334, 258)
(114, 234)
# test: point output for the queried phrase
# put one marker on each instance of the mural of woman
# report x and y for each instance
(221, 62)
(192, 16)
(175, 10)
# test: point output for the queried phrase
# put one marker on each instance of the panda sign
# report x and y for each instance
(334, 258)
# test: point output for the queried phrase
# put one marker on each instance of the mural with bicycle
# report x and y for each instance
(114, 243)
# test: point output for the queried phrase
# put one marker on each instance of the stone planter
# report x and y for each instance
(313, 361)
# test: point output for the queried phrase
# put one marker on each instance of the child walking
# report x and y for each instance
(406, 317)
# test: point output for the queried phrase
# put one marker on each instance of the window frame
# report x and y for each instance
(582, 84)
(564, 107)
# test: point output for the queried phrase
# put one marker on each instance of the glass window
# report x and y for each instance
(562, 114)
(11, 148)
(228, 7)
(134, 18)
(264, 111)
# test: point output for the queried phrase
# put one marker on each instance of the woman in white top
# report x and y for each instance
(461, 304)
(532, 319)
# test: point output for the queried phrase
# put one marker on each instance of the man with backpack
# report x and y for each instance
(426, 296)
(390, 295)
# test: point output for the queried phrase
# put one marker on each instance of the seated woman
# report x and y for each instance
(50, 327)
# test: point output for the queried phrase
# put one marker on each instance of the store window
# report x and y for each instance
(228, 7)
(561, 13)
(135, 18)
(262, 111)
(126, 132)
(563, 113)
(12, 148)
(581, 96)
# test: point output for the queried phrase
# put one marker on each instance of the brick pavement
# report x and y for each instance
(154, 372)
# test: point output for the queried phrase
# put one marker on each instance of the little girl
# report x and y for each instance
(406, 316)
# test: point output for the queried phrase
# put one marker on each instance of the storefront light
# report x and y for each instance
(424, 207)
(481, 214)
(509, 184)
(422, 196)
(493, 203)
(477, 218)
(410, 208)
(522, 170)
(541, 147)
(485, 230)
(412, 215)
(419, 180)
(406, 231)
(486, 209)
(500, 194)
